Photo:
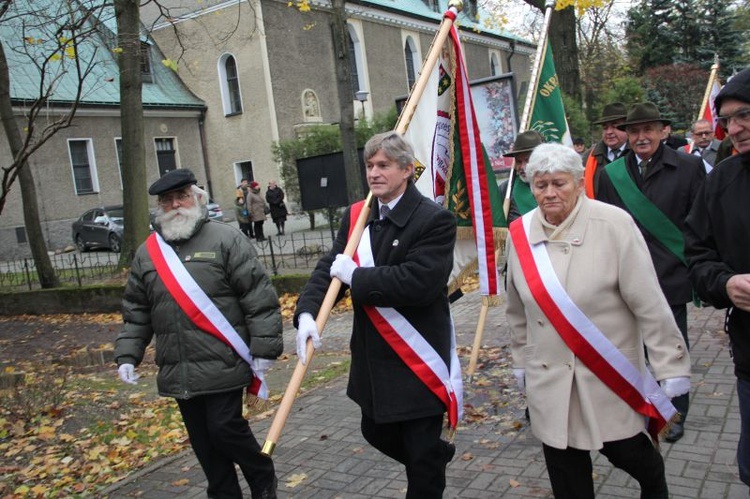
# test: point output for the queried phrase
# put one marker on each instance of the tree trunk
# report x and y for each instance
(135, 199)
(346, 101)
(562, 37)
(46, 272)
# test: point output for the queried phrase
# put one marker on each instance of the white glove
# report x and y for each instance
(674, 387)
(260, 366)
(520, 375)
(343, 268)
(306, 328)
(127, 374)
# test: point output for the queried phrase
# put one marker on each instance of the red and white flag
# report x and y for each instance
(710, 114)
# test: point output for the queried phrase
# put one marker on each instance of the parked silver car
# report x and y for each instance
(99, 228)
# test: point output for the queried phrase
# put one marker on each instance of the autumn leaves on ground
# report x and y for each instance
(69, 427)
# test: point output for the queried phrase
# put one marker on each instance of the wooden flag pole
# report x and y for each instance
(707, 95)
(528, 106)
(290, 394)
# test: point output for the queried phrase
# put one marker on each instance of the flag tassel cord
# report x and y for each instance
(290, 394)
(707, 94)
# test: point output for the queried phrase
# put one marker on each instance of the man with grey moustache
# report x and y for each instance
(197, 288)
(657, 185)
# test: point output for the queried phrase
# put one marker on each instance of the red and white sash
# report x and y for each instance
(198, 306)
(411, 347)
(638, 389)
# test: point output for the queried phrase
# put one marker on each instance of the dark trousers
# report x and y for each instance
(682, 402)
(258, 228)
(743, 447)
(220, 437)
(417, 445)
(247, 229)
(570, 470)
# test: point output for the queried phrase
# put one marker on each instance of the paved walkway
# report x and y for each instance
(322, 454)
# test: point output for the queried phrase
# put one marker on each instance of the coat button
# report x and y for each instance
(540, 322)
(681, 356)
(570, 366)
(679, 346)
(566, 250)
(544, 365)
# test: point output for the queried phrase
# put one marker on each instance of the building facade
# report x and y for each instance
(79, 168)
(266, 68)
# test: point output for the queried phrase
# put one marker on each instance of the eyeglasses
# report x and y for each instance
(741, 117)
(702, 134)
(169, 199)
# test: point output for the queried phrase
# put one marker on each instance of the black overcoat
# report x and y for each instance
(671, 184)
(413, 252)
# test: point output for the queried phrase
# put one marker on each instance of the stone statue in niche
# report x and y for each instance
(310, 106)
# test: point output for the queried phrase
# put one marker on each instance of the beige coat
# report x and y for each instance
(604, 265)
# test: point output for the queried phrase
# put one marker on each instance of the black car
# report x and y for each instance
(99, 228)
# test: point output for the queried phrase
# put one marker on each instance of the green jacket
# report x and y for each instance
(191, 362)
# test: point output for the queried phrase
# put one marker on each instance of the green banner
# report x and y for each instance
(548, 113)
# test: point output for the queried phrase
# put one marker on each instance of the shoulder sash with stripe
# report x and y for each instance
(411, 347)
(588, 175)
(522, 196)
(634, 386)
(198, 306)
(648, 215)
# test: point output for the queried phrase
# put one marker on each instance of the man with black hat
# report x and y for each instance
(521, 199)
(614, 144)
(657, 186)
(718, 244)
(197, 287)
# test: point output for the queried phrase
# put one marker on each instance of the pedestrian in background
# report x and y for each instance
(275, 200)
(243, 216)
(197, 288)
(256, 207)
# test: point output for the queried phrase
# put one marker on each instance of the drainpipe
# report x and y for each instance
(204, 151)
(510, 56)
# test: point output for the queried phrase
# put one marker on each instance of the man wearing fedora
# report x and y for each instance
(614, 144)
(521, 199)
(718, 244)
(657, 186)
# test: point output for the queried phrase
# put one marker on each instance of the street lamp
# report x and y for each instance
(361, 96)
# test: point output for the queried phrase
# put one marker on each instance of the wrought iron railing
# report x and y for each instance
(295, 253)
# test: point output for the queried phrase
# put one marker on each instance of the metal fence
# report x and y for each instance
(295, 253)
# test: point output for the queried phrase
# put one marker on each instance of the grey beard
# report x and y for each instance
(179, 224)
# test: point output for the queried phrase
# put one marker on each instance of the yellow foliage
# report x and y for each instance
(170, 64)
(581, 6)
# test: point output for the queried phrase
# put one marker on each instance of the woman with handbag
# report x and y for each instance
(243, 216)
(275, 199)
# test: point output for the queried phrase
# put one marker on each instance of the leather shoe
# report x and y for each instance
(676, 431)
(450, 451)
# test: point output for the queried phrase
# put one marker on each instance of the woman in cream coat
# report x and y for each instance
(602, 262)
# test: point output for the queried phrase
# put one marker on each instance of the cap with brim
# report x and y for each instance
(643, 112)
(738, 87)
(612, 112)
(171, 181)
(525, 142)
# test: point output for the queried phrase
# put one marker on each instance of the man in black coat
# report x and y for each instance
(657, 186)
(411, 245)
(614, 144)
(718, 244)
